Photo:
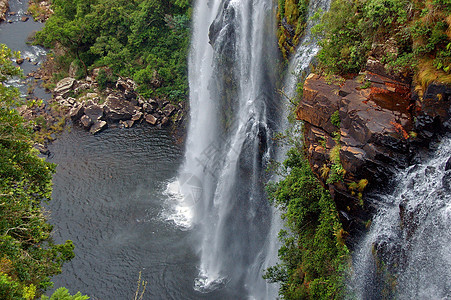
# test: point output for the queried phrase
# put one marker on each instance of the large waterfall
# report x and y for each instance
(407, 253)
(235, 109)
(233, 104)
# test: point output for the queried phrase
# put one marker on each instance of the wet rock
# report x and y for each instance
(98, 126)
(86, 121)
(127, 124)
(94, 112)
(448, 164)
(42, 149)
(446, 181)
(19, 61)
(76, 112)
(24, 18)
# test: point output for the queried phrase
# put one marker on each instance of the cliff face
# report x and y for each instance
(383, 127)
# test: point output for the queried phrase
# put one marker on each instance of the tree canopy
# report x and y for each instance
(28, 256)
(143, 39)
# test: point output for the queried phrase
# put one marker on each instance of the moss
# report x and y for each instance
(294, 13)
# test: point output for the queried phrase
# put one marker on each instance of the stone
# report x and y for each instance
(169, 110)
(98, 126)
(86, 121)
(165, 121)
(42, 149)
(137, 116)
(448, 164)
(19, 61)
(373, 125)
(71, 100)
(64, 86)
(94, 112)
(127, 124)
(76, 112)
(82, 87)
(126, 85)
(117, 108)
(24, 18)
(151, 119)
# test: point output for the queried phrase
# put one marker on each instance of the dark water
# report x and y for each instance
(109, 198)
(15, 36)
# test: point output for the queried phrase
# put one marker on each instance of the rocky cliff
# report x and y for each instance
(358, 132)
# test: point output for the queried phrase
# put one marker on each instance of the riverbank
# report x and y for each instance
(53, 105)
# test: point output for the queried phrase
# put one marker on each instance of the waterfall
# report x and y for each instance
(407, 253)
(233, 105)
(234, 110)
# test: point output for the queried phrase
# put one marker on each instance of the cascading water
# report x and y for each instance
(407, 254)
(233, 108)
(306, 51)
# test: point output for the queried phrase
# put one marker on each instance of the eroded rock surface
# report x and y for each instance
(383, 127)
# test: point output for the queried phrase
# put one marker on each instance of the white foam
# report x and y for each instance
(180, 211)
(207, 284)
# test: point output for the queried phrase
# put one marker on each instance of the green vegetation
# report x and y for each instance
(28, 256)
(409, 36)
(313, 255)
(63, 294)
(143, 39)
(293, 14)
(335, 119)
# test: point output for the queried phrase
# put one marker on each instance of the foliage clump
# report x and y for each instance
(28, 256)
(144, 39)
(313, 254)
(292, 18)
(412, 36)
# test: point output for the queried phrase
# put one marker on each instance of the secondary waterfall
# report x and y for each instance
(407, 253)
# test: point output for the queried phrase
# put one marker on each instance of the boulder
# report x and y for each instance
(19, 61)
(24, 18)
(86, 121)
(151, 119)
(137, 116)
(169, 110)
(117, 109)
(165, 121)
(76, 112)
(3, 9)
(64, 86)
(127, 124)
(94, 112)
(98, 126)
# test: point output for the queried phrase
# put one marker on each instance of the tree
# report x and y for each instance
(28, 256)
